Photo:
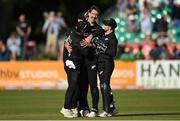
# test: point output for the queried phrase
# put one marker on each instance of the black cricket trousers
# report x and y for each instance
(105, 69)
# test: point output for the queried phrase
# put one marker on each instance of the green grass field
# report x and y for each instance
(131, 105)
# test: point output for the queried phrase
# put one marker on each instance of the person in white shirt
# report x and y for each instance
(146, 24)
(14, 45)
(51, 28)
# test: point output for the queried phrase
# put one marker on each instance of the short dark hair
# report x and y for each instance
(94, 8)
(81, 16)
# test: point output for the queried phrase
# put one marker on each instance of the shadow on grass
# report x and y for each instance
(148, 114)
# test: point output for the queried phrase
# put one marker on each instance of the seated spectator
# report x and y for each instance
(127, 55)
(5, 54)
(14, 45)
(30, 50)
(139, 54)
(166, 54)
(176, 52)
(163, 39)
(156, 52)
(147, 46)
(132, 24)
(170, 48)
(159, 52)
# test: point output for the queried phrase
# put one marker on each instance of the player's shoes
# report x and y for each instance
(75, 112)
(84, 113)
(67, 113)
(113, 109)
(93, 113)
(114, 112)
(105, 114)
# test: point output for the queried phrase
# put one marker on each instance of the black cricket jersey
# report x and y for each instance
(97, 31)
(111, 42)
(76, 54)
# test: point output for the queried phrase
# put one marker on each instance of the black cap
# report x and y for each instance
(110, 22)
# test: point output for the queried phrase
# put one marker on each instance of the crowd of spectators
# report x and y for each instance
(54, 25)
(155, 22)
(158, 22)
(19, 45)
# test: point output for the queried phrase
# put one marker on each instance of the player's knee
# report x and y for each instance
(75, 76)
(103, 86)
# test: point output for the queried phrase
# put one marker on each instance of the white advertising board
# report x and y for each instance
(158, 74)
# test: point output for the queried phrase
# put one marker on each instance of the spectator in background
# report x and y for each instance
(161, 25)
(163, 39)
(139, 54)
(176, 14)
(131, 12)
(14, 45)
(131, 8)
(169, 48)
(159, 52)
(5, 54)
(23, 29)
(45, 15)
(30, 50)
(127, 55)
(143, 4)
(176, 51)
(155, 3)
(132, 24)
(161, 49)
(62, 24)
(166, 53)
(146, 24)
(122, 6)
(51, 28)
(147, 46)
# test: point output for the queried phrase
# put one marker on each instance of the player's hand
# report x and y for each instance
(68, 47)
(84, 43)
(87, 41)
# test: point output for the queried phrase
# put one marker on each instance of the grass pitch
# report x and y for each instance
(131, 105)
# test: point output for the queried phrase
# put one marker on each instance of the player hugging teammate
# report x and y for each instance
(89, 50)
